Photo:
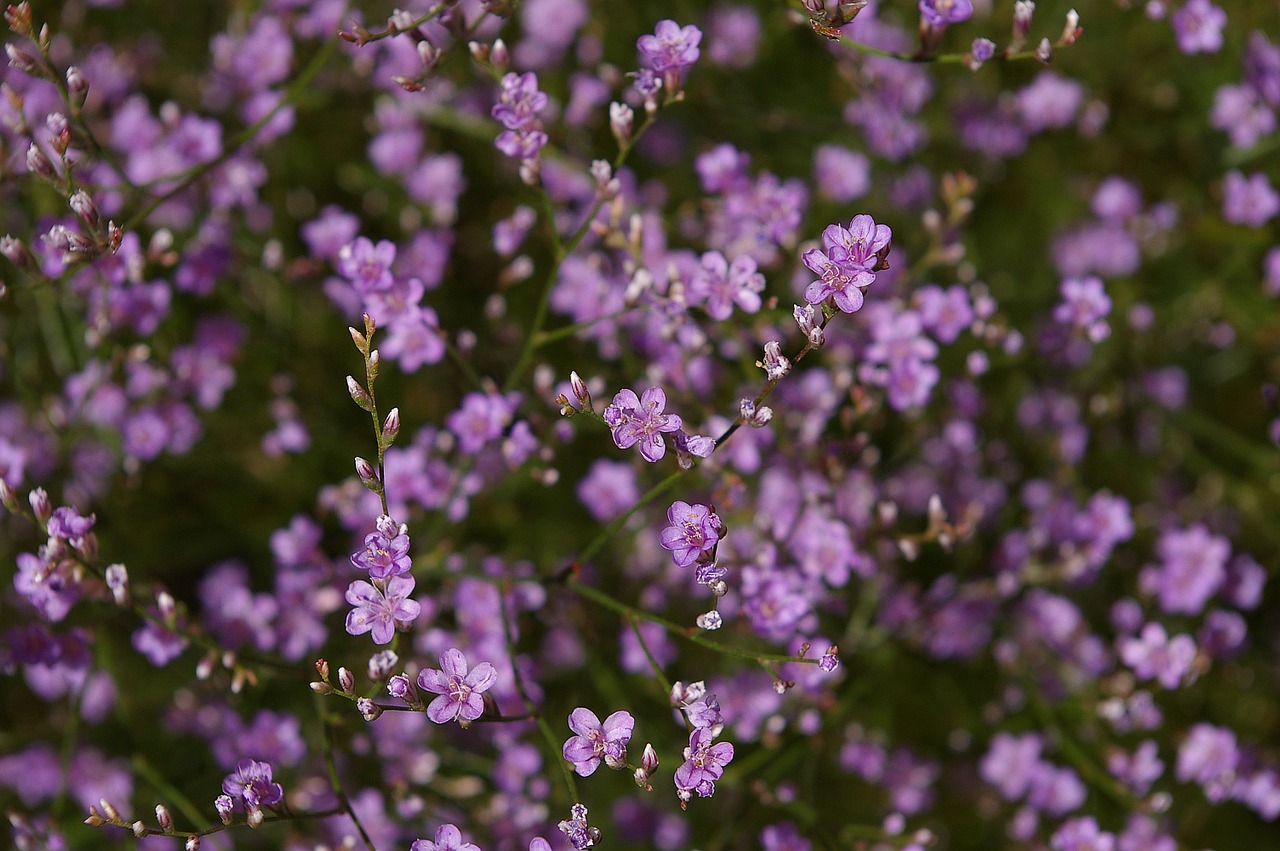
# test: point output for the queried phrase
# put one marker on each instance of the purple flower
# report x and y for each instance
(1209, 757)
(1198, 26)
(250, 786)
(1192, 569)
(694, 530)
(581, 834)
(595, 741)
(1085, 306)
(520, 102)
(939, 13)
(670, 48)
(523, 144)
(380, 607)
(366, 266)
(1154, 655)
(448, 838)
(1249, 201)
(386, 551)
(719, 285)
(641, 420)
(848, 264)
(459, 691)
(704, 763)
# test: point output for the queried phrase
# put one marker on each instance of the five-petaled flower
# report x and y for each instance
(641, 420)
(704, 763)
(251, 786)
(849, 262)
(694, 530)
(386, 551)
(459, 691)
(380, 607)
(448, 838)
(595, 741)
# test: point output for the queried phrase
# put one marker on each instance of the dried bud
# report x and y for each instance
(322, 668)
(391, 427)
(358, 394)
(164, 818)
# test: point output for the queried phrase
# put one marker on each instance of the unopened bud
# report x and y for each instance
(620, 120)
(15, 252)
(164, 818)
(368, 475)
(193, 843)
(77, 83)
(499, 55)
(382, 663)
(830, 660)
(358, 394)
(1044, 51)
(140, 829)
(38, 163)
(346, 680)
(580, 390)
(110, 811)
(391, 427)
(362, 342)
(93, 819)
(84, 207)
(1071, 30)
(775, 365)
(255, 817)
(20, 60)
(321, 688)
(428, 55)
(649, 759)
(41, 506)
(117, 576)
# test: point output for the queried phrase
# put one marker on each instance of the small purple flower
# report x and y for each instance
(1209, 757)
(386, 551)
(1198, 26)
(704, 763)
(848, 263)
(520, 101)
(595, 741)
(581, 834)
(1154, 655)
(939, 13)
(641, 420)
(67, 524)
(523, 144)
(367, 266)
(380, 607)
(459, 691)
(250, 786)
(1249, 201)
(1085, 306)
(718, 285)
(694, 530)
(671, 48)
(448, 838)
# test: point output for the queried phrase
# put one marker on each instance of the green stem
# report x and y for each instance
(334, 781)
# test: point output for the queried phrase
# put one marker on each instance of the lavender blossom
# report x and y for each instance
(704, 763)
(386, 551)
(595, 741)
(380, 608)
(641, 420)
(694, 531)
(459, 690)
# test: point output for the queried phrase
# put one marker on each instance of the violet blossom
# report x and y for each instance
(380, 608)
(459, 690)
(641, 420)
(594, 741)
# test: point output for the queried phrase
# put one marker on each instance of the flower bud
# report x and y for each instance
(110, 811)
(620, 120)
(255, 817)
(321, 688)
(77, 83)
(369, 710)
(368, 475)
(381, 663)
(346, 680)
(193, 843)
(41, 506)
(322, 668)
(391, 427)
(499, 55)
(139, 829)
(164, 818)
(15, 252)
(117, 576)
(1044, 51)
(38, 163)
(580, 390)
(775, 365)
(358, 394)
(22, 61)
(830, 660)
(82, 205)
(362, 342)
(93, 819)
(18, 17)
